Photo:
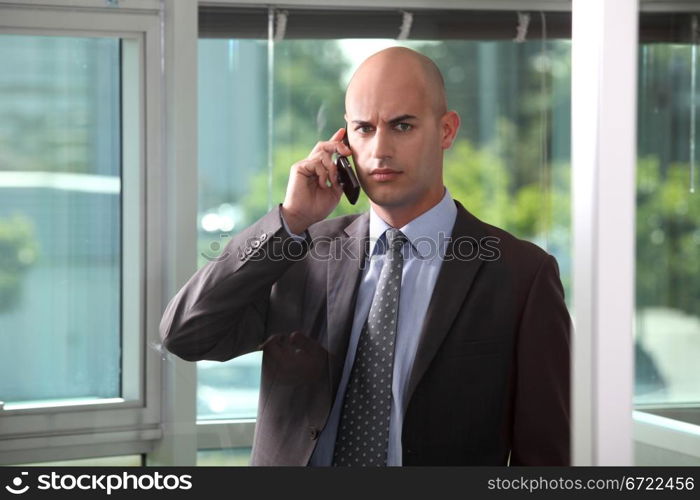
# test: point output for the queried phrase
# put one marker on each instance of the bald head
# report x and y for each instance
(398, 129)
(403, 68)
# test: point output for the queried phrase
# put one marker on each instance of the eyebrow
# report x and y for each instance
(393, 121)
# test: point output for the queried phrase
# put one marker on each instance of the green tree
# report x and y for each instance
(667, 238)
(309, 94)
(18, 251)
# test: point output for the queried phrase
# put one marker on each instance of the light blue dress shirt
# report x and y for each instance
(428, 235)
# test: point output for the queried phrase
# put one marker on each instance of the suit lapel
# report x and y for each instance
(344, 273)
(453, 283)
(456, 277)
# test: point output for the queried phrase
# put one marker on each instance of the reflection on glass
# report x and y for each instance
(509, 165)
(59, 219)
(118, 461)
(228, 390)
(226, 457)
(667, 326)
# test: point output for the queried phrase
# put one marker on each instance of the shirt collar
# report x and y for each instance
(427, 232)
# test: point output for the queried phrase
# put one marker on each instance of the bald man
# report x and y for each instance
(414, 334)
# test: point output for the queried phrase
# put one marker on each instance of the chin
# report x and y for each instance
(388, 198)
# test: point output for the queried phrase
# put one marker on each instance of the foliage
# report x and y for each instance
(667, 237)
(18, 251)
(309, 97)
(477, 178)
(501, 168)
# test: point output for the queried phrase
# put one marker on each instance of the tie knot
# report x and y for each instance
(395, 239)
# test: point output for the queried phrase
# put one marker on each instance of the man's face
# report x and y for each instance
(393, 128)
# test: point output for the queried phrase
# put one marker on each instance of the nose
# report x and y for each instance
(382, 145)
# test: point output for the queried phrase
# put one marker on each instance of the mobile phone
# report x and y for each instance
(346, 175)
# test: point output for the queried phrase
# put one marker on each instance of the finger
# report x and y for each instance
(343, 149)
(330, 167)
(322, 173)
(323, 145)
(305, 168)
(270, 342)
(334, 144)
(296, 339)
(330, 148)
(338, 135)
(338, 189)
(314, 167)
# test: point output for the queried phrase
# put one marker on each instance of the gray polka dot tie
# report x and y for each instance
(363, 433)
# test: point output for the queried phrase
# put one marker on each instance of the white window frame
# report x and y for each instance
(129, 424)
(603, 151)
(608, 427)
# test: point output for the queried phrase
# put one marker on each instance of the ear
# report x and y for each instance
(449, 126)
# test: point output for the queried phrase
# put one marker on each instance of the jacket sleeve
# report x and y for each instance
(220, 313)
(541, 422)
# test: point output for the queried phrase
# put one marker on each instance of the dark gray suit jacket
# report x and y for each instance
(491, 375)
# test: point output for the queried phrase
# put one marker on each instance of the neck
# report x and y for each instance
(399, 216)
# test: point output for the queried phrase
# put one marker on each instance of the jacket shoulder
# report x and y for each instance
(517, 247)
(333, 226)
(512, 248)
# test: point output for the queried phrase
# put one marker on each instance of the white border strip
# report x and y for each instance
(603, 129)
(223, 434)
(86, 183)
(514, 5)
(667, 433)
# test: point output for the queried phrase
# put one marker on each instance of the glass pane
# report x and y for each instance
(228, 390)
(59, 219)
(119, 461)
(647, 455)
(224, 457)
(667, 326)
(232, 150)
(509, 166)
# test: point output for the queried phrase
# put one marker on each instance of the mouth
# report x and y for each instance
(384, 174)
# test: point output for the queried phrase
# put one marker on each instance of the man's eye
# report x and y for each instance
(365, 129)
(403, 127)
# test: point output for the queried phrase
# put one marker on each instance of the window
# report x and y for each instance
(76, 313)
(667, 325)
(667, 333)
(60, 216)
(116, 461)
(228, 457)
(264, 104)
